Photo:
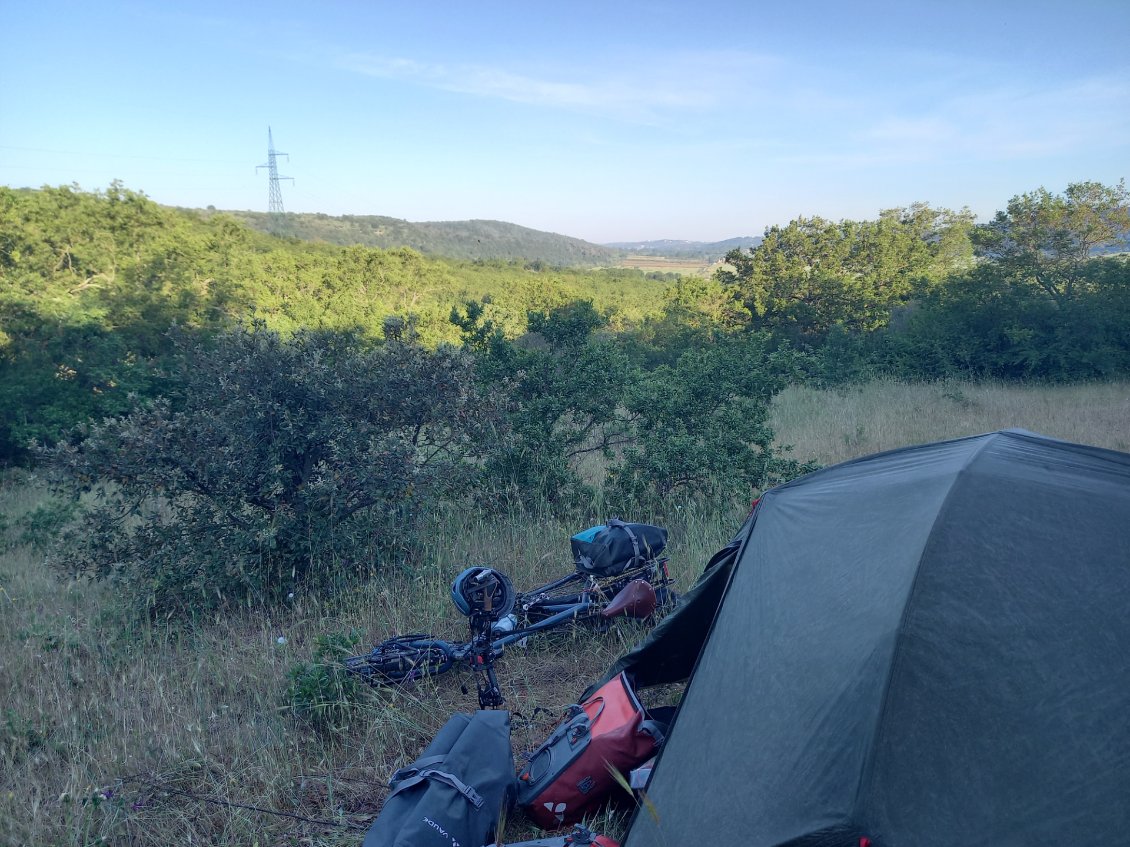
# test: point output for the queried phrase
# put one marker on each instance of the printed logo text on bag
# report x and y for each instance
(558, 810)
(441, 831)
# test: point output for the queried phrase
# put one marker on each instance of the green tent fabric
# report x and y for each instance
(927, 647)
(669, 652)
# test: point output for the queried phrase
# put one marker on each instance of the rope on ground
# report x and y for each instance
(160, 786)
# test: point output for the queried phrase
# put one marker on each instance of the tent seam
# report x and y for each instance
(751, 521)
(867, 771)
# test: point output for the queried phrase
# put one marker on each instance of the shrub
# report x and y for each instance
(287, 462)
(986, 323)
(701, 427)
(322, 692)
(40, 527)
(564, 387)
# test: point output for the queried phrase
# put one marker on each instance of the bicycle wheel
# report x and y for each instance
(404, 658)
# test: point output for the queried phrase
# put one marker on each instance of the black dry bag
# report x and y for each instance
(612, 548)
(453, 795)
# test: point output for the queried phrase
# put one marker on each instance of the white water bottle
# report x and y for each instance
(505, 625)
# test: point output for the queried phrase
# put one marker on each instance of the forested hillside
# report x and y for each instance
(90, 283)
(476, 239)
(228, 420)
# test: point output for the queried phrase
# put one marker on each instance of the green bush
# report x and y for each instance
(288, 462)
(564, 386)
(322, 692)
(40, 527)
(990, 323)
(700, 429)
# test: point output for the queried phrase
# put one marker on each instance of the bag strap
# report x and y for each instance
(655, 729)
(598, 711)
(636, 557)
(571, 714)
(414, 776)
(416, 767)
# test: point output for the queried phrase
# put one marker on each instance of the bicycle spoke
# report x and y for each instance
(403, 659)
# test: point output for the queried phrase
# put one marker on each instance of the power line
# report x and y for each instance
(274, 197)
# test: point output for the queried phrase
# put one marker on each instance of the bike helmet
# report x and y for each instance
(477, 588)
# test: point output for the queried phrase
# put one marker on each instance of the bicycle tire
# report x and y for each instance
(405, 658)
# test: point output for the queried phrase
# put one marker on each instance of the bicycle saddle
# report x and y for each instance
(635, 600)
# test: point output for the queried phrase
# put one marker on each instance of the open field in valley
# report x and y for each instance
(689, 266)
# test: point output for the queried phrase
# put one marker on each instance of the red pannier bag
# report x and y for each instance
(571, 774)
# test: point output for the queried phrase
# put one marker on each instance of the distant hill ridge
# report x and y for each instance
(474, 239)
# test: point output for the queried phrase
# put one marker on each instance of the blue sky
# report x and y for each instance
(606, 121)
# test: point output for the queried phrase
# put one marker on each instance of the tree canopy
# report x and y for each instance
(90, 283)
(237, 457)
(284, 462)
(813, 274)
(1046, 239)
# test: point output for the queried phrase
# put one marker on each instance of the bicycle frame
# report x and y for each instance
(408, 658)
(592, 588)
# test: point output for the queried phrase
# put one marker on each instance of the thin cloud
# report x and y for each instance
(792, 112)
(1024, 121)
(1002, 122)
(690, 81)
(929, 130)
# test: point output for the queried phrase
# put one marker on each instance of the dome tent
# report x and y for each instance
(929, 646)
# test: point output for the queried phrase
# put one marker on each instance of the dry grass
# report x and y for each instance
(833, 426)
(90, 697)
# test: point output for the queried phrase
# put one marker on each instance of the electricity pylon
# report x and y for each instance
(274, 201)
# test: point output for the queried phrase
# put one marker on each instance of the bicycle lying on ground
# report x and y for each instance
(500, 617)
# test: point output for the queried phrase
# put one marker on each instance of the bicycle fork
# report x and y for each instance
(481, 656)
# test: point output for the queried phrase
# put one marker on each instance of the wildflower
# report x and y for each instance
(281, 639)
